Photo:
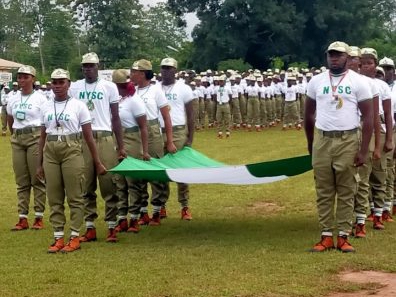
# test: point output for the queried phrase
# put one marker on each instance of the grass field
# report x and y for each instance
(245, 241)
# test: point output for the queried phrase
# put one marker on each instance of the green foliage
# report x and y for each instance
(299, 65)
(277, 63)
(293, 30)
(235, 64)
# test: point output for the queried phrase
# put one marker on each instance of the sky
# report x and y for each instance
(191, 18)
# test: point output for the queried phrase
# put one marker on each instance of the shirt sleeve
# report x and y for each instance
(114, 96)
(311, 93)
(84, 115)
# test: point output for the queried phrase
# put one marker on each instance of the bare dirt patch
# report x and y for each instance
(265, 207)
(383, 284)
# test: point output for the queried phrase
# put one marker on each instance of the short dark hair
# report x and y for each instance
(149, 74)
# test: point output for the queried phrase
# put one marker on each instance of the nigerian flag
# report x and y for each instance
(191, 167)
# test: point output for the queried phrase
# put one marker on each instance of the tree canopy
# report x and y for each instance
(258, 31)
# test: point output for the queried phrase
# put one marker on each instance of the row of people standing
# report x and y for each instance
(254, 102)
(90, 108)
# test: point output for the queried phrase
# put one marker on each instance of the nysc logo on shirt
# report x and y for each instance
(23, 106)
(171, 97)
(91, 95)
(339, 90)
(61, 117)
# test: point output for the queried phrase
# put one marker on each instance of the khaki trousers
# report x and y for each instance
(223, 117)
(63, 165)
(4, 118)
(253, 110)
(107, 153)
(263, 112)
(377, 179)
(138, 189)
(24, 162)
(270, 110)
(125, 188)
(236, 111)
(291, 114)
(195, 104)
(202, 112)
(336, 180)
(278, 108)
(183, 190)
(243, 108)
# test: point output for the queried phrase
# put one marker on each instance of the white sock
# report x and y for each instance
(74, 234)
(23, 216)
(143, 209)
(342, 233)
(38, 214)
(327, 233)
(360, 218)
(377, 212)
(59, 234)
(134, 216)
(387, 206)
(372, 206)
(89, 224)
(156, 209)
(121, 218)
(111, 224)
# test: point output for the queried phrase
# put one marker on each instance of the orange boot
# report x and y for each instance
(343, 244)
(325, 244)
(90, 235)
(38, 223)
(72, 245)
(21, 225)
(58, 245)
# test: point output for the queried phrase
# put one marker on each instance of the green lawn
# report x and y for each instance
(244, 241)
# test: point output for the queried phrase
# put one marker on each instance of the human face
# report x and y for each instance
(389, 73)
(368, 67)
(90, 71)
(337, 61)
(354, 63)
(60, 88)
(25, 81)
(137, 77)
(168, 74)
(122, 89)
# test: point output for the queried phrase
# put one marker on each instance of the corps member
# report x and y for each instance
(334, 99)
(135, 134)
(180, 100)
(61, 162)
(23, 118)
(101, 97)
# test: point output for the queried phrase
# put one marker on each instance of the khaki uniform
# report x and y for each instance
(24, 143)
(63, 165)
(108, 155)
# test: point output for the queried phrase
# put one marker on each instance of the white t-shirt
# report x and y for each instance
(252, 91)
(178, 95)
(341, 114)
(195, 94)
(4, 98)
(153, 98)
(291, 93)
(236, 90)
(71, 115)
(277, 88)
(26, 109)
(129, 109)
(384, 93)
(223, 94)
(102, 94)
(49, 94)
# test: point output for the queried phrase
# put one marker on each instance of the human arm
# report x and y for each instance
(366, 109)
(142, 123)
(170, 146)
(116, 124)
(40, 170)
(87, 134)
(309, 122)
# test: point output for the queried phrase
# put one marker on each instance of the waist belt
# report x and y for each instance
(152, 122)
(337, 134)
(131, 129)
(100, 134)
(64, 138)
(26, 130)
(175, 128)
(222, 103)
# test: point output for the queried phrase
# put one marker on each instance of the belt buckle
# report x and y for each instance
(59, 138)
